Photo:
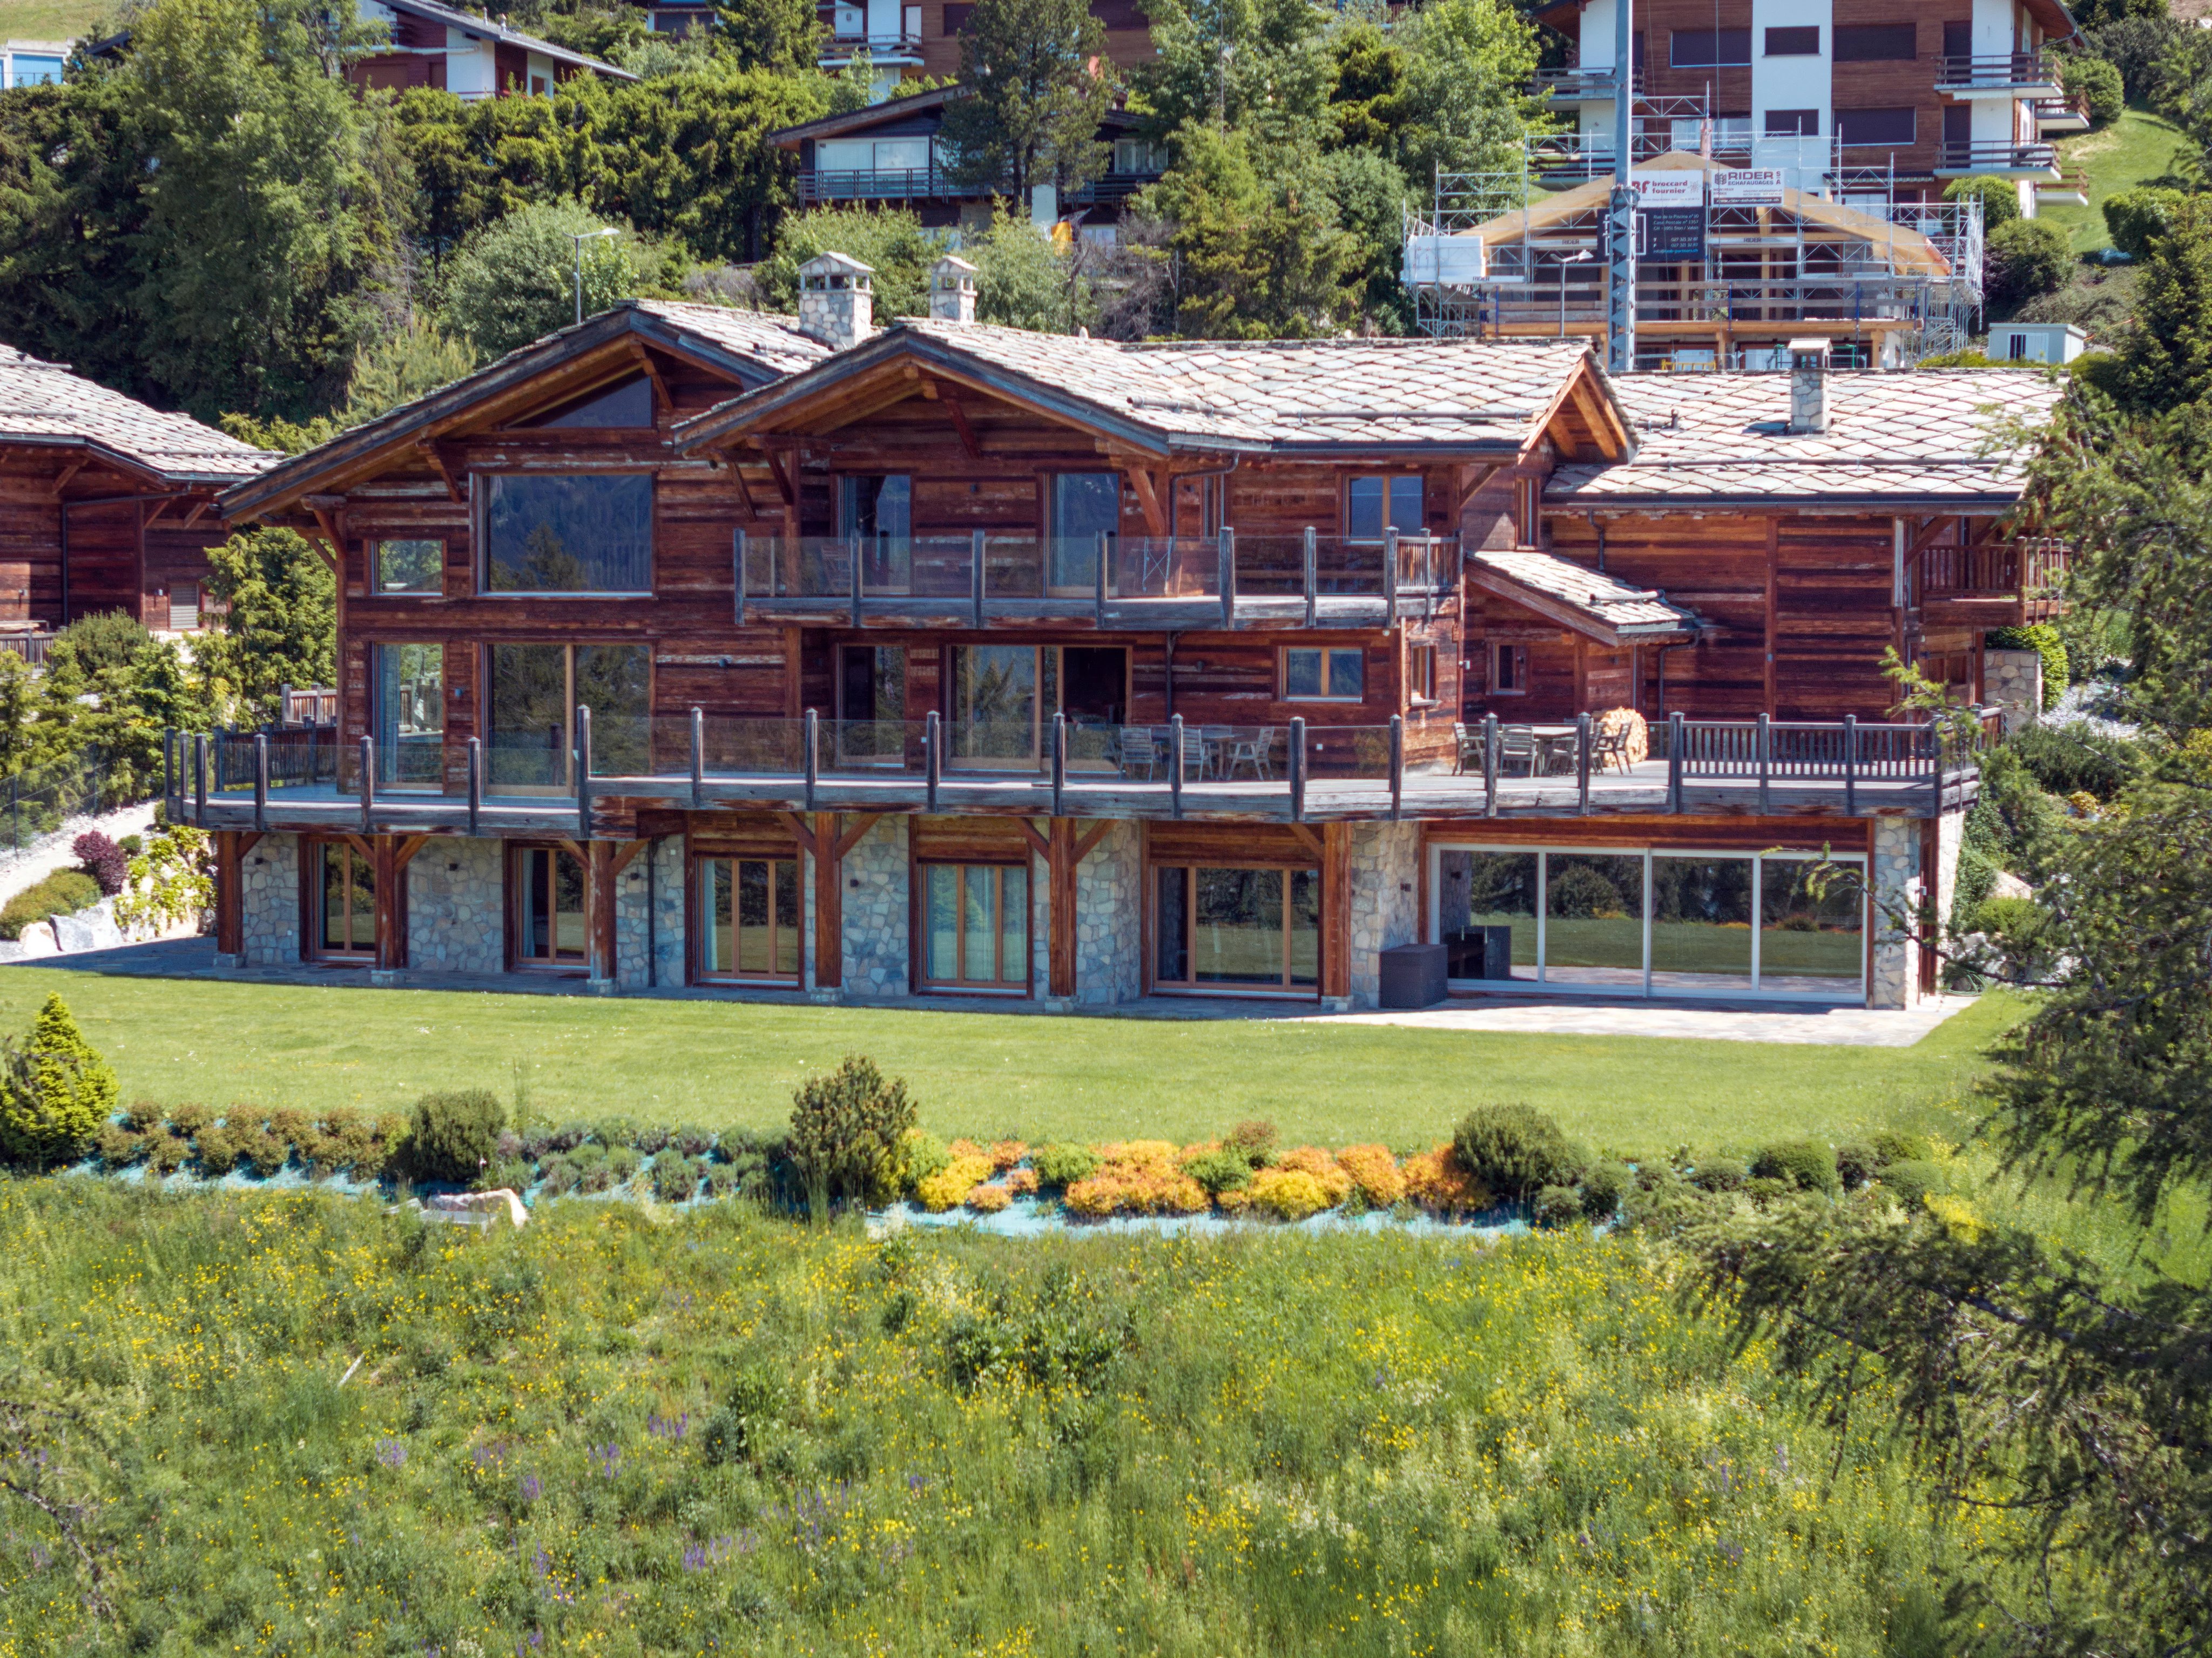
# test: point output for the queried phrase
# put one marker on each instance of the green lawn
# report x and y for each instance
(51, 20)
(2138, 146)
(718, 1063)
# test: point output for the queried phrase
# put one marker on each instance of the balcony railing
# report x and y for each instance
(894, 183)
(1998, 157)
(2017, 72)
(875, 42)
(1579, 81)
(2062, 114)
(1110, 187)
(1119, 580)
(1024, 763)
(2034, 569)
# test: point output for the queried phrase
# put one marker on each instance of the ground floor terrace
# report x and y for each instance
(1069, 912)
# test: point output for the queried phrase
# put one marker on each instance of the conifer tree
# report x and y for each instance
(57, 1091)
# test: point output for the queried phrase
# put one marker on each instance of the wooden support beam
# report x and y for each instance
(68, 472)
(1090, 837)
(390, 875)
(1148, 498)
(829, 905)
(1306, 837)
(229, 893)
(359, 844)
(1061, 861)
(958, 416)
(1926, 538)
(1042, 847)
(599, 898)
(851, 837)
(785, 485)
(434, 452)
(627, 851)
(799, 831)
(198, 507)
(1471, 480)
(644, 361)
(1336, 908)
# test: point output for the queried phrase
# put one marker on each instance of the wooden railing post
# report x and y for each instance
(1675, 745)
(368, 784)
(199, 781)
(1311, 570)
(698, 758)
(583, 762)
(1490, 765)
(1175, 765)
(932, 754)
(476, 783)
(810, 736)
(976, 572)
(1226, 551)
(1397, 764)
(260, 781)
(738, 575)
(1059, 762)
(1297, 768)
(1765, 758)
(1582, 764)
(1389, 576)
(1850, 765)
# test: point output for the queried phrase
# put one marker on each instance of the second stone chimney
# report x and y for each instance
(1808, 385)
(952, 289)
(836, 299)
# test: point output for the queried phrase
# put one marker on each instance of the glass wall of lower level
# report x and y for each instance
(1651, 922)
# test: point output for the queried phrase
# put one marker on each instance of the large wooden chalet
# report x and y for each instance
(679, 650)
(106, 504)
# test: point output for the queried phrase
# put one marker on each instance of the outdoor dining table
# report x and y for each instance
(1555, 750)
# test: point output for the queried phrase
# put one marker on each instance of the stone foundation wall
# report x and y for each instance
(1110, 920)
(1895, 877)
(457, 907)
(270, 892)
(876, 912)
(1386, 860)
(2012, 680)
(649, 918)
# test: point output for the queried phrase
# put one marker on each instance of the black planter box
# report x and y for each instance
(1413, 976)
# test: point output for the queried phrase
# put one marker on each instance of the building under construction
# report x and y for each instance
(1732, 263)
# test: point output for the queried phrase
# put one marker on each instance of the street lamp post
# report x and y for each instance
(580, 238)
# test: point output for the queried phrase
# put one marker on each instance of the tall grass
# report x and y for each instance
(617, 1432)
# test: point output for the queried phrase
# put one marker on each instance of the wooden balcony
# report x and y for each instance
(2000, 75)
(1997, 585)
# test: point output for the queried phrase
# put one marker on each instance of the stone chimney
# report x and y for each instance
(952, 289)
(836, 299)
(1808, 385)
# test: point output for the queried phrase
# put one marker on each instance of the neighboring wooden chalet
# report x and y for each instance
(466, 54)
(104, 503)
(680, 649)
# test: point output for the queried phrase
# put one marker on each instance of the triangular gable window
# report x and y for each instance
(626, 402)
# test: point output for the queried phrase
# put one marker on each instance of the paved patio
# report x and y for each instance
(1576, 1016)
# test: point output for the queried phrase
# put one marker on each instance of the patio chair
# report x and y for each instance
(1197, 746)
(1466, 748)
(1254, 752)
(1516, 743)
(1607, 746)
(1138, 747)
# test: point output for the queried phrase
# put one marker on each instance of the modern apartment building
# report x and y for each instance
(744, 654)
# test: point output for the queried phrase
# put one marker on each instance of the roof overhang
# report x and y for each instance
(108, 455)
(863, 120)
(1575, 619)
(562, 365)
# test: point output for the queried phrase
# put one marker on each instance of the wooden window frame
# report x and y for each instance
(1344, 505)
(378, 590)
(568, 707)
(1282, 986)
(1283, 693)
(480, 517)
(694, 928)
(918, 928)
(1508, 651)
(312, 947)
(510, 854)
(1421, 664)
(1528, 511)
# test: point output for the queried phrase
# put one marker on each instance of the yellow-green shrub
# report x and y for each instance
(1312, 1160)
(1375, 1172)
(950, 1185)
(1291, 1194)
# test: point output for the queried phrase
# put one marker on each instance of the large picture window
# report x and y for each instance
(1648, 923)
(411, 715)
(1001, 698)
(548, 887)
(1225, 929)
(1314, 674)
(1084, 505)
(341, 919)
(975, 926)
(587, 532)
(748, 918)
(530, 713)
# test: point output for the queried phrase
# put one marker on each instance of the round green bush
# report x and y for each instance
(1855, 1164)
(2027, 258)
(1890, 1145)
(1604, 1185)
(1909, 1181)
(1767, 1189)
(1225, 1170)
(2136, 218)
(675, 1176)
(1806, 1165)
(1719, 1175)
(2000, 198)
(218, 1149)
(920, 1155)
(1059, 1165)
(624, 1162)
(1515, 1150)
(1556, 1205)
(558, 1175)
(2098, 83)
(454, 1135)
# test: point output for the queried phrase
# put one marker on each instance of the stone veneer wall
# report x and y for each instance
(1109, 929)
(457, 907)
(1386, 861)
(876, 912)
(661, 891)
(2013, 681)
(271, 903)
(1899, 883)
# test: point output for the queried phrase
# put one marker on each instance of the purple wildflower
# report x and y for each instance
(390, 1452)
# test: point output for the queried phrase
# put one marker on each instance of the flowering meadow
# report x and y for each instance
(292, 1422)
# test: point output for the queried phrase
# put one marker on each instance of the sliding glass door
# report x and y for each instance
(1228, 929)
(531, 697)
(748, 918)
(975, 927)
(1661, 923)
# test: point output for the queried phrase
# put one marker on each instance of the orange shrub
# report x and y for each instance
(1435, 1181)
(1022, 1182)
(1375, 1172)
(1004, 1154)
(989, 1200)
(1313, 1161)
(960, 1149)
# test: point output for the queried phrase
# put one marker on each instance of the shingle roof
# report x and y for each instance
(774, 340)
(1891, 438)
(43, 403)
(1622, 611)
(496, 29)
(1277, 396)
